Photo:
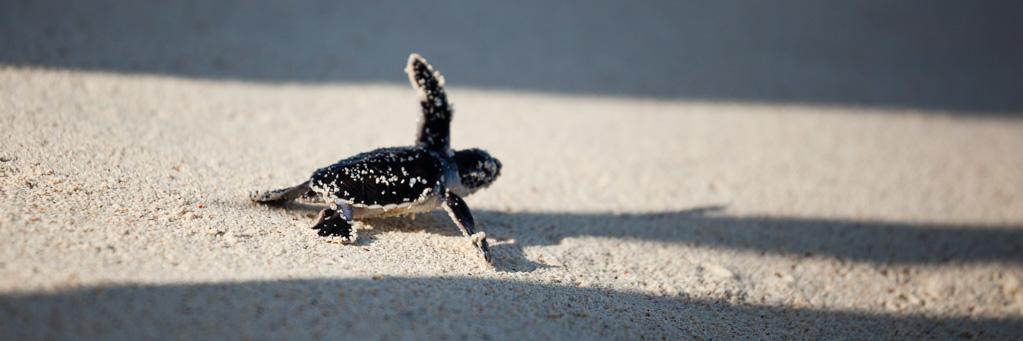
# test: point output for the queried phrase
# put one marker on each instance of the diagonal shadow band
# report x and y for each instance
(434, 308)
(960, 56)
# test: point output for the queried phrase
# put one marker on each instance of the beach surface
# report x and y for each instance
(621, 212)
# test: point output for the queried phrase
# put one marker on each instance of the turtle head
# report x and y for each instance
(476, 169)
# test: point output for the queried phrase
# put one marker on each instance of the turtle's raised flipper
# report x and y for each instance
(462, 217)
(435, 125)
(335, 222)
(280, 195)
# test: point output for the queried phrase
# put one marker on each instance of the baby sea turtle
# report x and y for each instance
(401, 180)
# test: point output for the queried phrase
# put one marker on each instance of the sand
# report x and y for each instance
(622, 212)
(125, 215)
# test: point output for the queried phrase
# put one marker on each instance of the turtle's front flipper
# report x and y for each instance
(336, 221)
(462, 217)
(435, 125)
(280, 195)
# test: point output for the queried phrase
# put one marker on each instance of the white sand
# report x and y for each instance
(672, 170)
(123, 214)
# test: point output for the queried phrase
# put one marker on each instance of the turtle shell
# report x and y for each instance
(385, 177)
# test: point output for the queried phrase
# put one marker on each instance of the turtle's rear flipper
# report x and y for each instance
(311, 197)
(280, 195)
(333, 222)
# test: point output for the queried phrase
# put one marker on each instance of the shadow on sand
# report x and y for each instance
(465, 307)
(959, 56)
(440, 308)
(860, 241)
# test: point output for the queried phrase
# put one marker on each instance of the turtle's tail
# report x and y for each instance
(280, 195)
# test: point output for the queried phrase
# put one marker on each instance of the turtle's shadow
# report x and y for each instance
(856, 240)
(879, 242)
(507, 251)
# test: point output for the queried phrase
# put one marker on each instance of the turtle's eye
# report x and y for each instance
(477, 168)
(497, 169)
(492, 167)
